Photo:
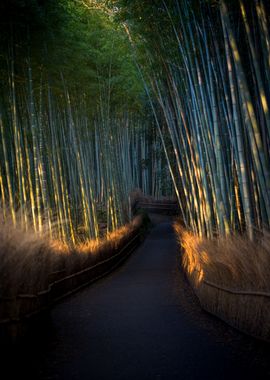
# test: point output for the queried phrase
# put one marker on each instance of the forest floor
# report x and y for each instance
(140, 322)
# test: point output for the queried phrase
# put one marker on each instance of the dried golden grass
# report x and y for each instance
(231, 277)
(233, 261)
(27, 259)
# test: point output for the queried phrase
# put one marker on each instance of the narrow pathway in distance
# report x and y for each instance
(132, 325)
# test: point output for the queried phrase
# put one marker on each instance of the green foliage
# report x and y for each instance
(65, 39)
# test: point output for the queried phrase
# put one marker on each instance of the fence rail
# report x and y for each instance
(246, 310)
(17, 311)
(159, 207)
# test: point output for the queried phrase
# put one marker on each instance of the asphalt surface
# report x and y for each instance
(140, 322)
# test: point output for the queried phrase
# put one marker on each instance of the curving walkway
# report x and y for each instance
(132, 324)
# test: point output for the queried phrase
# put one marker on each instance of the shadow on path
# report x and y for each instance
(136, 324)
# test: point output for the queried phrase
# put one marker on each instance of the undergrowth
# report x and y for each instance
(234, 261)
(28, 259)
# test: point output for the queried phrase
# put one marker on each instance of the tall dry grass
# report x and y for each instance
(233, 262)
(28, 260)
(231, 278)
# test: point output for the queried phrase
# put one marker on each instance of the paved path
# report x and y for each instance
(133, 324)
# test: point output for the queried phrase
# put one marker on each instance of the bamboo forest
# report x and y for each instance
(135, 126)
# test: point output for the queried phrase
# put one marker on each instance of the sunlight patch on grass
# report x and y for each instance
(27, 259)
(232, 261)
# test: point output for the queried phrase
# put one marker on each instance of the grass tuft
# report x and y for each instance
(28, 260)
(231, 277)
(232, 261)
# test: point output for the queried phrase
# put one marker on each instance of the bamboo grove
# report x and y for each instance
(66, 175)
(69, 156)
(212, 87)
(205, 68)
